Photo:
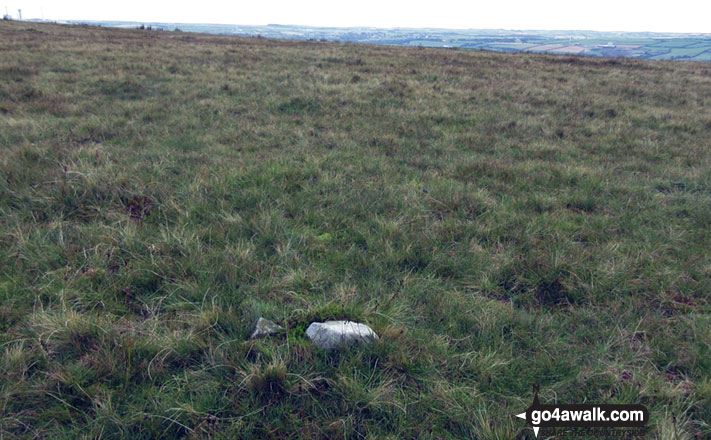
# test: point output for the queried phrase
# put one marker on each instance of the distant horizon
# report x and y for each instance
(654, 16)
(74, 20)
(642, 45)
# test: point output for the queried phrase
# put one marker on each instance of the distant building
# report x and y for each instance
(609, 45)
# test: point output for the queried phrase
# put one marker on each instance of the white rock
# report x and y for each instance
(265, 327)
(331, 334)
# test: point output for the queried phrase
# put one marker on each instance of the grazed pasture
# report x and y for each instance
(501, 220)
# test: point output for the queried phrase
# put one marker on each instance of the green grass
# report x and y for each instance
(501, 220)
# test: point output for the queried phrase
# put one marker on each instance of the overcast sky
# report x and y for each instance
(603, 15)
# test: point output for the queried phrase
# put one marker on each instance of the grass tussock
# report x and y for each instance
(500, 220)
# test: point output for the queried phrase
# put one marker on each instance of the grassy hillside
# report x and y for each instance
(501, 220)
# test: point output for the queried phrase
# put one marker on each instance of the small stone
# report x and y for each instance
(332, 334)
(265, 327)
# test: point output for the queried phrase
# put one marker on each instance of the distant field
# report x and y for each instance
(427, 43)
(516, 46)
(501, 220)
(569, 49)
(706, 56)
(675, 53)
(680, 42)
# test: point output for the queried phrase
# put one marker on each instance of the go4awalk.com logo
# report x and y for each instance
(583, 416)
